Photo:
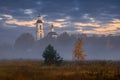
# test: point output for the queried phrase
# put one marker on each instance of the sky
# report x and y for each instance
(101, 17)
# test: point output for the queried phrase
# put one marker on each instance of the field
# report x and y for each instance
(36, 70)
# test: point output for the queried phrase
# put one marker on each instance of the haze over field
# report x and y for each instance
(101, 19)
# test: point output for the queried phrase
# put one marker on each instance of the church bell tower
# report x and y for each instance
(39, 28)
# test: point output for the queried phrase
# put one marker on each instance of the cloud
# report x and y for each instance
(90, 27)
(1, 18)
(11, 21)
(76, 8)
(38, 3)
(87, 17)
(116, 20)
(98, 33)
(113, 26)
(88, 22)
(7, 16)
(44, 15)
(21, 23)
(58, 24)
(67, 18)
(60, 20)
(80, 24)
(79, 13)
(98, 27)
(108, 28)
(28, 11)
(86, 31)
(31, 23)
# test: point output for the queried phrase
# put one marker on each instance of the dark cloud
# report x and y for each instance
(102, 11)
(54, 8)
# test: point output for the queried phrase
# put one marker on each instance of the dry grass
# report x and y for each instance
(36, 70)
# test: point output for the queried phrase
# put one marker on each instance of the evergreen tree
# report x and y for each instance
(51, 56)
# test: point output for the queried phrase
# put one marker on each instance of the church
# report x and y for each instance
(40, 29)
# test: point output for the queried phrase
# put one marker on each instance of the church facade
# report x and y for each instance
(40, 33)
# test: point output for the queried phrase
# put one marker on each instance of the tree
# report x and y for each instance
(24, 41)
(51, 56)
(78, 50)
(64, 38)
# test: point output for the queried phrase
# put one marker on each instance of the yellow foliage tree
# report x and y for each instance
(78, 53)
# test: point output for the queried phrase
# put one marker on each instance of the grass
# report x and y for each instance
(36, 70)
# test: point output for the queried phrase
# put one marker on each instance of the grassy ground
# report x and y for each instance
(36, 70)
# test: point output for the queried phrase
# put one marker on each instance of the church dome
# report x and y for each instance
(39, 21)
(52, 33)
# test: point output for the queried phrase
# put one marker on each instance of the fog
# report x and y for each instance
(96, 48)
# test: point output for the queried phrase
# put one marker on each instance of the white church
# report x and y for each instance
(40, 33)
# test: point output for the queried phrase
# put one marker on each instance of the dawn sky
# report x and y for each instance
(73, 16)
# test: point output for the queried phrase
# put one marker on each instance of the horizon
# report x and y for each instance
(59, 39)
(77, 17)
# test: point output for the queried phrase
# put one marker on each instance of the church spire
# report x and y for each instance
(39, 26)
(52, 28)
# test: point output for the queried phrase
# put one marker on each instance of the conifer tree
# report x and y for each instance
(51, 56)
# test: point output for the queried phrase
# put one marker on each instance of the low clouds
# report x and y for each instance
(10, 20)
(1, 18)
(28, 11)
(88, 21)
(90, 17)
(7, 16)
(93, 26)
(60, 20)
(80, 24)
(39, 3)
(108, 28)
(116, 21)
(87, 17)
(59, 24)
(21, 23)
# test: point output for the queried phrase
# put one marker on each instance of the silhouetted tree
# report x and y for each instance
(64, 38)
(78, 50)
(51, 56)
(25, 41)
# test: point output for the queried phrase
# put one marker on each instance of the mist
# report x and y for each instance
(95, 47)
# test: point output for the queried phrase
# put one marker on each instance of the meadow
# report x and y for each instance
(37, 70)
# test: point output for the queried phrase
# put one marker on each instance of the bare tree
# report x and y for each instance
(78, 53)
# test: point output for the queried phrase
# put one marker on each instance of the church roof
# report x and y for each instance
(52, 33)
(39, 21)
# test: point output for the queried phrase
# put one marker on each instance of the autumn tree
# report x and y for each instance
(78, 53)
